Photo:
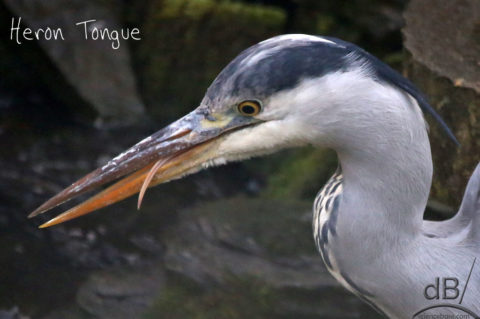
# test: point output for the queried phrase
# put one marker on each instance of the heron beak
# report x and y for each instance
(173, 152)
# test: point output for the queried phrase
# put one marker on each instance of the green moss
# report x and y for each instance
(239, 298)
(249, 297)
(197, 9)
(185, 44)
(189, 9)
(301, 174)
(325, 23)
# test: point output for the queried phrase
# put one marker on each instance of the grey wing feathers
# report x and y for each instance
(470, 207)
(466, 223)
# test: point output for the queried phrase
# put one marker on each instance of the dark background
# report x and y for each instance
(230, 242)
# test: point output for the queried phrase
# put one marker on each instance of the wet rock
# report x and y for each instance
(148, 243)
(71, 312)
(37, 167)
(445, 63)
(61, 258)
(227, 243)
(115, 293)
(102, 76)
(13, 313)
(257, 240)
(121, 293)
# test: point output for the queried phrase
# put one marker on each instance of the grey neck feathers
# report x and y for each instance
(387, 176)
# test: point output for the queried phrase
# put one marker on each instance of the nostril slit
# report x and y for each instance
(210, 118)
(177, 135)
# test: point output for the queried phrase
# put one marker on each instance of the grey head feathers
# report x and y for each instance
(277, 64)
(281, 62)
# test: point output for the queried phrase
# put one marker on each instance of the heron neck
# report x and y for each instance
(387, 181)
(381, 192)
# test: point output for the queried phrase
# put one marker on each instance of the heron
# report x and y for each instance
(368, 220)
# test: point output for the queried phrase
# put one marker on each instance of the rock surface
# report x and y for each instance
(445, 38)
(121, 293)
(222, 260)
(13, 313)
(236, 237)
(445, 63)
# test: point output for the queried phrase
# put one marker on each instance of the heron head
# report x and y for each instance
(286, 91)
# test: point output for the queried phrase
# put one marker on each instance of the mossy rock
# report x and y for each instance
(460, 108)
(444, 64)
(268, 239)
(276, 226)
(239, 298)
(185, 44)
(249, 297)
(300, 174)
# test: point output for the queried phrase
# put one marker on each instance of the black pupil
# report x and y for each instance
(248, 109)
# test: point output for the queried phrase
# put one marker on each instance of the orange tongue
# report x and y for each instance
(148, 179)
(118, 191)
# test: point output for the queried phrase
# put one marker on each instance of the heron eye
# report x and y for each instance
(249, 108)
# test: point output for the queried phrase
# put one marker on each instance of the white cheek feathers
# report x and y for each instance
(261, 139)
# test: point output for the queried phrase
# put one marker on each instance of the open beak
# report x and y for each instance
(175, 151)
